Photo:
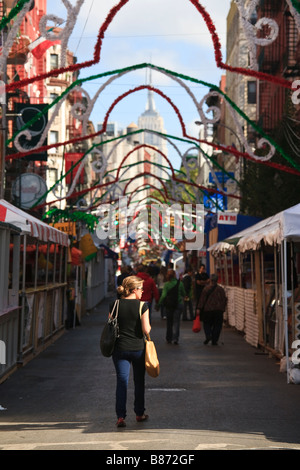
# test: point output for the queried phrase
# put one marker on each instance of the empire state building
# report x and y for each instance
(150, 120)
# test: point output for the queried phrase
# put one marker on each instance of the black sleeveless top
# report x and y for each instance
(131, 336)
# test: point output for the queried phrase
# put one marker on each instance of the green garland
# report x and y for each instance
(14, 11)
(175, 74)
(111, 140)
(296, 5)
(56, 215)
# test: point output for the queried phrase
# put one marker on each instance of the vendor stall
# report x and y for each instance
(9, 305)
(271, 249)
(39, 282)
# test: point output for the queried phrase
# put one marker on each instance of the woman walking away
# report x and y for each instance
(133, 320)
(172, 298)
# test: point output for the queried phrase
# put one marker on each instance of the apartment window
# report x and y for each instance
(53, 137)
(53, 97)
(251, 92)
(53, 61)
(52, 175)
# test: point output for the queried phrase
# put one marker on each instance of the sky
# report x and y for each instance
(168, 33)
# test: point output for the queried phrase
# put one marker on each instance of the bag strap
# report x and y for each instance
(140, 308)
(175, 287)
(116, 304)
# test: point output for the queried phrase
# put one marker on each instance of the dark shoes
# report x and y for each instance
(121, 423)
(142, 418)
(213, 343)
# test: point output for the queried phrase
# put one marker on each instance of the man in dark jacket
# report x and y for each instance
(211, 307)
(201, 280)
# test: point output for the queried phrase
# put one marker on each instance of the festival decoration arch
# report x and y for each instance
(251, 156)
(250, 31)
(73, 11)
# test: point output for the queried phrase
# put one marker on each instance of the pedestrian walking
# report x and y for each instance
(133, 322)
(172, 298)
(124, 273)
(150, 291)
(187, 282)
(161, 280)
(211, 307)
(201, 280)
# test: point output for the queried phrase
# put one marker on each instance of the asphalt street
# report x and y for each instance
(226, 397)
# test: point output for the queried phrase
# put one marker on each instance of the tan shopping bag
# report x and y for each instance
(151, 359)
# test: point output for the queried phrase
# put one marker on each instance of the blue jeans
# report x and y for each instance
(122, 361)
(173, 323)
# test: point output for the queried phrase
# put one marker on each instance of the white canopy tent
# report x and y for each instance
(276, 230)
(31, 225)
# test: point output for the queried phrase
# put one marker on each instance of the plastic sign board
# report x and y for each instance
(228, 218)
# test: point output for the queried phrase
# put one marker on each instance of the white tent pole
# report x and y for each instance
(276, 299)
(285, 309)
(262, 266)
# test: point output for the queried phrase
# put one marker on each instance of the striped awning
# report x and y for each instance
(31, 225)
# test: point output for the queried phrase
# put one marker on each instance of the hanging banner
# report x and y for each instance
(70, 160)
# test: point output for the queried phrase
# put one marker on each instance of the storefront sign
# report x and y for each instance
(66, 227)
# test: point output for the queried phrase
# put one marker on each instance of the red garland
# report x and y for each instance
(71, 68)
(117, 100)
(145, 173)
(174, 177)
(164, 196)
(218, 53)
(90, 136)
(97, 51)
(149, 147)
(103, 185)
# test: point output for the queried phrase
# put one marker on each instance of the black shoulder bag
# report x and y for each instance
(110, 332)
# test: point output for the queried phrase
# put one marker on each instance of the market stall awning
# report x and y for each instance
(223, 246)
(31, 225)
(282, 226)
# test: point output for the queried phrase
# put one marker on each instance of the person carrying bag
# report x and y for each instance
(110, 332)
(172, 297)
(151, 359)
(133, 324)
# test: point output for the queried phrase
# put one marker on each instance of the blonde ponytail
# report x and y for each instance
(128, 285)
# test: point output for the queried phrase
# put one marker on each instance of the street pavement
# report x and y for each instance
(226, 397)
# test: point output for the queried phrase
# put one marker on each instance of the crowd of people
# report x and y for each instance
(162, 282)
(182, 297)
